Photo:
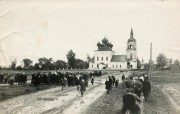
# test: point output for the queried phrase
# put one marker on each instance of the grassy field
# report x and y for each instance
(7, 92)
(165, 97)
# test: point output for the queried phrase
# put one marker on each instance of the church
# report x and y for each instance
(105, 58)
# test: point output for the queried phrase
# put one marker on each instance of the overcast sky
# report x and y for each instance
(46, 28)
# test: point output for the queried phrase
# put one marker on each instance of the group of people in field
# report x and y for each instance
(136, 86)
(64, 79)
(110, 82)
(20, 78)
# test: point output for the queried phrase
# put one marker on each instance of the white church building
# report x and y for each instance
(105, 58)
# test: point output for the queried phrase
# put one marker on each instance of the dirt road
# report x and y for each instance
(55, 101)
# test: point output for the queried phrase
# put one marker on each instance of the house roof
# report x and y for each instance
(92, 60)
(118, 58)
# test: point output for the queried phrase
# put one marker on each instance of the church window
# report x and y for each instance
(92, 66)
(97, 65)
(131, 56)
(113, 66)
(106, 58)
(120, 66)
(102, 58)
(131, 46)
(97, 58)
(116, 66)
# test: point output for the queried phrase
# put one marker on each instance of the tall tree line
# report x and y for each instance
(49, 64)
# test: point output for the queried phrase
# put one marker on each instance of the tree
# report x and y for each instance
(161, 61)
(71, 58)
(138, 64)
(146, 66)
(36, 66)
(27, 62)
(60, 64)
(88, 58)
(170, 60)
(13, 64)
(19, 67)
(45, 63)
(176, 62)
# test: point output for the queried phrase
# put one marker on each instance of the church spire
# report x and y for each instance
(131, 34)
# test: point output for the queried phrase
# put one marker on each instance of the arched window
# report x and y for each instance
(92, 66)
(131, 46)
(106, 58)
(97, 58)
(102, 58)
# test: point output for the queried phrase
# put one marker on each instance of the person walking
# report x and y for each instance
(123, 77)
(108, 85)
(92, 80)
(63, 82)
(116, 82)
(130, 104)
(1, 78)
(83, 87)
(138, 87)
(146, 88)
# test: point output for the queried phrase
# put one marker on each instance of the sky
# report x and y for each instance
(50, 28)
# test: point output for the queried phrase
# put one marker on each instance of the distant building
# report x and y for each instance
(105, 58)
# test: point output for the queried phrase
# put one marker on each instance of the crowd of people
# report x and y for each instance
(110, 82)
(50, 78)
(136, 86)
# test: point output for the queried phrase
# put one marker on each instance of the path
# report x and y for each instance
(54, 101)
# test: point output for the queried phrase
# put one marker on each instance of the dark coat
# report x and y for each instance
(108, 84)
(83, 86)
(146, 88)
(92, 80)
(123, 77)
(129, 84)
(129, 103)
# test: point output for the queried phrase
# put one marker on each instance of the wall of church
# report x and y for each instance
(118, 65)
(131, 54)
(103, 56)
(134, 64)
(92, 66)
(111, 65)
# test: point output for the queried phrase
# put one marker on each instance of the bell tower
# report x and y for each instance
(131, 52)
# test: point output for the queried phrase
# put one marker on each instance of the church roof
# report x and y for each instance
(118, 58)
(131, 39)
(92, 60)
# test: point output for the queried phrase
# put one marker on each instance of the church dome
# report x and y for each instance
(105, 40)
(110, 45)
(98, 44)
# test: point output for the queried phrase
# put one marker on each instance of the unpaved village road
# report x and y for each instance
(55, 100)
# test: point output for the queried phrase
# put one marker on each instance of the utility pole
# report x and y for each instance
(150, 62)
(172, 69)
